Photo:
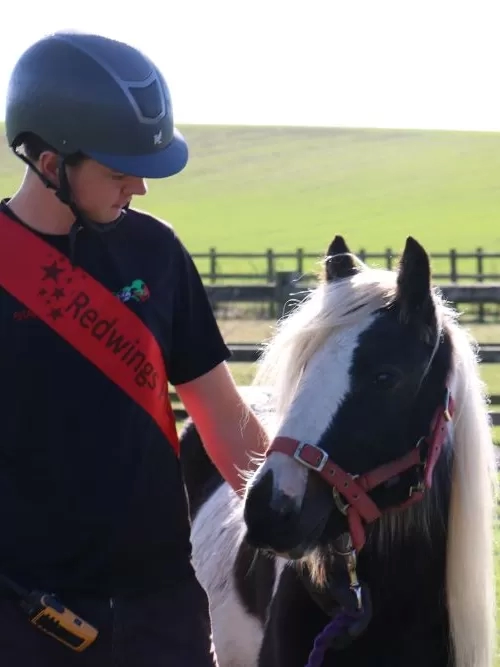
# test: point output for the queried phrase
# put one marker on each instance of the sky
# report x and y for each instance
(346, 63)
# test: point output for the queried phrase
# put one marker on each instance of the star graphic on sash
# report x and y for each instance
(52, 271)
(58, 293)
(55, 313)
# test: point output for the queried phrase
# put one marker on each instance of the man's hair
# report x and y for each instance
(33, 146)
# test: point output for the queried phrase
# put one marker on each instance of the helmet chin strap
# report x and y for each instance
(63, 193)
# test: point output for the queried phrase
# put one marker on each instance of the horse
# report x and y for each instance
(364, 534)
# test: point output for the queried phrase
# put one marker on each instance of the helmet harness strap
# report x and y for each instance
(63, 193)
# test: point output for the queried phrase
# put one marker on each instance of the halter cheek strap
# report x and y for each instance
(350, 492)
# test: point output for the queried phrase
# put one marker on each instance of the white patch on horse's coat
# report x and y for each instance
(216, 534)
(319, 394)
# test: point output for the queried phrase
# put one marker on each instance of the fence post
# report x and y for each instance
(388, 259)
(300, 260)
(284, 289)
(480, 271)
(271, 269)
(453, 265)
(271, 272)
(213, 265)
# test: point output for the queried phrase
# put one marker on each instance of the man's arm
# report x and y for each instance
(197, 367)
(231, 433)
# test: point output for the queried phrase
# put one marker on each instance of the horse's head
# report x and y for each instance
(360, 371)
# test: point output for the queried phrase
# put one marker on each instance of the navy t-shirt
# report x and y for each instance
(91, 492)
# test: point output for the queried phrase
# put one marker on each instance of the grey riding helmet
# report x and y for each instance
(88, 93)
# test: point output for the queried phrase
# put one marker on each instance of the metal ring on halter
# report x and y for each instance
(347, 540)
(342, 507)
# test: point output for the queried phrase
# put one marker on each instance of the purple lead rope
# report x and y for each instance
(331, 631)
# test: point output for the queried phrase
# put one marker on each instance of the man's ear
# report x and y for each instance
(48, 165)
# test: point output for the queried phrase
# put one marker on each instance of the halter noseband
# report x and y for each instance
(358, 507)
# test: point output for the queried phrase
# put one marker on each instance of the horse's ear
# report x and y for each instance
(337, 247)
(340, 262)
(414, 286)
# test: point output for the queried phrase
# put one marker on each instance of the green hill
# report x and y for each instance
(253, 188)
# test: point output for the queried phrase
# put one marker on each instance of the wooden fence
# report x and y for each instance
(181, 414)
(452, 266)
(249, 353)
(288, 287)
(489, 353)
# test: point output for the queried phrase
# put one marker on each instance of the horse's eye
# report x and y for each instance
(385, 380)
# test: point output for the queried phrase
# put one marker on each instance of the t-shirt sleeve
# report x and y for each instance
(197, 345)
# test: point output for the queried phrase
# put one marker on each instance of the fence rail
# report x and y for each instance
(249, 353)
(181, 414)
(288, 287)
(453, 266)
(489, 353)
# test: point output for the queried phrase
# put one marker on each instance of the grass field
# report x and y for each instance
(283, 188)
(249, 189)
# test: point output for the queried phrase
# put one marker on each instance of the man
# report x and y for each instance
(100, 304)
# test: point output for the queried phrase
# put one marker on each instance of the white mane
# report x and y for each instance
(325, 310)
(470, 581)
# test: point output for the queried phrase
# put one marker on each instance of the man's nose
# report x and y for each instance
(136, 186)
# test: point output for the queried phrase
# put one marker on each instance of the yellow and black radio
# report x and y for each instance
(48, 614)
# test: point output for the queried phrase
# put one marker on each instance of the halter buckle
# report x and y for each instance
(417, 488)
(316, 466)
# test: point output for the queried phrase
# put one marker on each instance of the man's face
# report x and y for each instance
(101, 193)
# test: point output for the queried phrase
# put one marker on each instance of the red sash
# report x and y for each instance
(89, 317)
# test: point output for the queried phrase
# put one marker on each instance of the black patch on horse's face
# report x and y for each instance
(396, 386)
(273, 522)
(389, 408)
(392, 400)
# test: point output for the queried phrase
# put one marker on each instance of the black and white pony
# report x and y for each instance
(377, 498)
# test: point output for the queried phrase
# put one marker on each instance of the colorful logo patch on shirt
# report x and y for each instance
(136, 291)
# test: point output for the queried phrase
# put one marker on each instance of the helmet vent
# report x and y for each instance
(148, 99)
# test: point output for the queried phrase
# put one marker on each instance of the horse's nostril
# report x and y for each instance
(282, 504)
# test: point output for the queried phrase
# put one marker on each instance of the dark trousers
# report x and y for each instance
(162, 629)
